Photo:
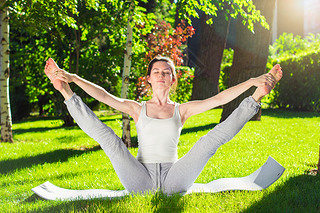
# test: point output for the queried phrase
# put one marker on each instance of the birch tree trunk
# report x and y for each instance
(6, 122)
(126, 137)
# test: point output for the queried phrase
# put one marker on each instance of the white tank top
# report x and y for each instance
(158, 138)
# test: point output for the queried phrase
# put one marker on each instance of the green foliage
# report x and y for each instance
(90, 43)
(226, 64)
(235, 8)
(299, 89)
(18, 98)
(27, 63)
(287, 45)
(183, 91)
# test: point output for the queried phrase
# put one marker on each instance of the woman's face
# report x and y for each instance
(161, 75)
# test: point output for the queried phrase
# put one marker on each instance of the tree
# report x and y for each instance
(37, 33)
(83, 37)
(126, 137)
(208, 55)
(206, 47)
(6, 120)
(250, 54)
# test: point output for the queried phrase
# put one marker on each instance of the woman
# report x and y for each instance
(159, 122)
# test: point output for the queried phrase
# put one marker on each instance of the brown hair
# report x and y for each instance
(170, 63)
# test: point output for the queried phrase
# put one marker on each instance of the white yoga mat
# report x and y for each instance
(258, 180)
(262, 178)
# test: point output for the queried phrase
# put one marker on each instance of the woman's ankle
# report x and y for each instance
(257, 96)
(66, 91)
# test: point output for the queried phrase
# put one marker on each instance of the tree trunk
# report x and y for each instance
(77, 50)
(126, 137)
(6, 120)
(209, 55)
(68, 120)
(250, 55)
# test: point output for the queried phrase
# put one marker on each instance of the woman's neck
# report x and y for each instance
(161, 97)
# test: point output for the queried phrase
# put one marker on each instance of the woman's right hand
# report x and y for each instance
(63, 76)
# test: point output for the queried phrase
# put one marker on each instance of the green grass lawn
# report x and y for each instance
(46, 151)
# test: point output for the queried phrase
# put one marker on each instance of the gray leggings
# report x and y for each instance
(168, 177)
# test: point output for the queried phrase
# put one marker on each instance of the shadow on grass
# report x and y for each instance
(37, 129)
(44, 129)
(281, 113)
(298, 194)
(198, 128)
(60, 155)
(164, 203)
(159, 203)
(94, 205)
(37, 118)
(103, 119)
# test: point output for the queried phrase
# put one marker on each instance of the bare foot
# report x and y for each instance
(260, 92)
(276, 72)
(50, 68)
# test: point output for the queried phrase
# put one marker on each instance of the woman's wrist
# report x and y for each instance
(252, 82)
(74, 78)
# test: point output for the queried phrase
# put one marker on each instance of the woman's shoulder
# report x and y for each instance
(186, 109)
(137, 105)
(134, 108)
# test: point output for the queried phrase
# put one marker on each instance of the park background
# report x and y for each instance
(221, 48)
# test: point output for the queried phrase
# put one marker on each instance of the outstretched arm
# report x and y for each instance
(99, 93)
(264, 83)
(195, 107)
(60, 78)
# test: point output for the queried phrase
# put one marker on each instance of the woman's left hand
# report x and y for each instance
(263, 80)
